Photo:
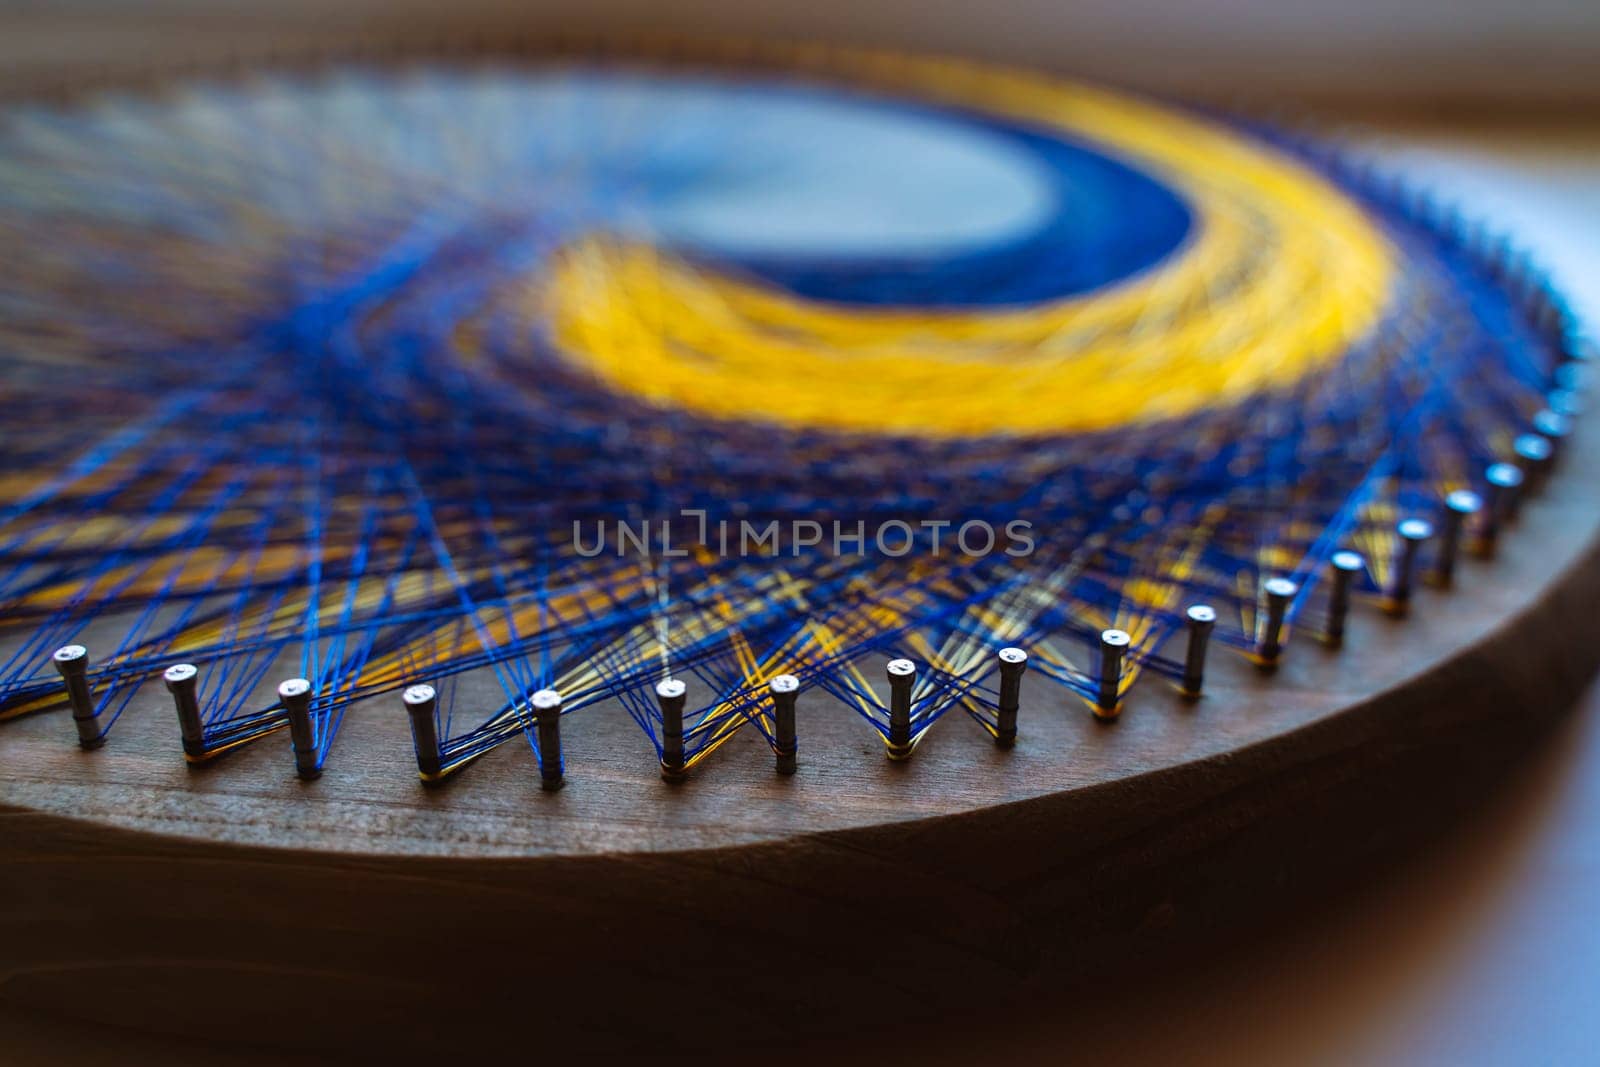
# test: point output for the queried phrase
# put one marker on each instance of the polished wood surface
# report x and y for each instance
(144, 894)
(202, 902)
(369, 803)
(1479, 947)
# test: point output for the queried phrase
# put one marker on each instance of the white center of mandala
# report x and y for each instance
(738, 169)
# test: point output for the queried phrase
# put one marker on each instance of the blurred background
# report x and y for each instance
(1373, 54)
(1483, 944)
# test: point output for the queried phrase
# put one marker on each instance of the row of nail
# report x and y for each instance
(1464, 514)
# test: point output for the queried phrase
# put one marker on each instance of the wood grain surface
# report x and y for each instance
(362, 911)
(142, 893)
(1515, 613)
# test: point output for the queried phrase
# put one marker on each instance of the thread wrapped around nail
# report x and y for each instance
(1013, 664)
(671, 694)
(785, 690)
(546, 704)
(295, 695)
(1277, 592)
(902, 675)
(73, 663)
(1108, 694)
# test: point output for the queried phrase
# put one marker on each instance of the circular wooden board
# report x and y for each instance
(364, 911)
(210, 899)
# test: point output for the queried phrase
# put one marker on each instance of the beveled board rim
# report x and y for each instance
(369, 802)
(370, 805)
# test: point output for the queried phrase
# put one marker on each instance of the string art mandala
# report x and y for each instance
(717, 389)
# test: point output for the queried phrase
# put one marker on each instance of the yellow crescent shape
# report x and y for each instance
(1280, 275)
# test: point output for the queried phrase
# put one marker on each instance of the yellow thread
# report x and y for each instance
(1280, 276)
